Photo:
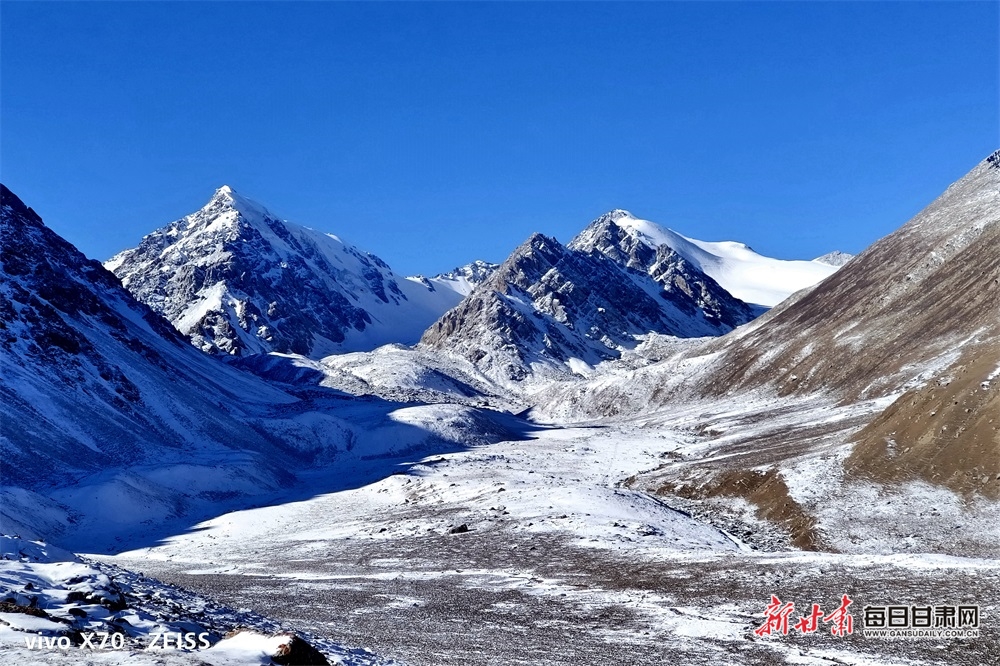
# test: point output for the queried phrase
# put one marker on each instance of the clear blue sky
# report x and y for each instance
(434, 134)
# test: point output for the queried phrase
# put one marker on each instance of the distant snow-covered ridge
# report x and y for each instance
(750, 277)
(835, 258)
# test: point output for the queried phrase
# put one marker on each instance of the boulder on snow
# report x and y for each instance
(298, 652)
(285, 649)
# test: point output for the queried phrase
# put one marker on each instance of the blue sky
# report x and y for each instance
(436, 133)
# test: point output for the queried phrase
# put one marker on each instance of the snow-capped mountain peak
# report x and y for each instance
(228, 205)
(235, 278)
(549, 307)
(618, 214)
(745, 274)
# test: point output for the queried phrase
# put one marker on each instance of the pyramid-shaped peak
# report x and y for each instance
(226, 197)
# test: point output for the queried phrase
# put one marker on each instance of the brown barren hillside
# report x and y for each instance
(947, 431)
(897, 309)
(851, 395)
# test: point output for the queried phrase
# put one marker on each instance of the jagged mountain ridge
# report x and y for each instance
(469, 276)
(462, 279)
(236, 279)
(550, 304)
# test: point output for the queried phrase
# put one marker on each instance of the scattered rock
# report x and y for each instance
(461, 529)
(8, 607)
(298, 652)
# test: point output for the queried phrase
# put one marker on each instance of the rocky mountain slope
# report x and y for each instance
(549, 305)
(236, 279)
(91, 379)
(556, 307)
(945, 431)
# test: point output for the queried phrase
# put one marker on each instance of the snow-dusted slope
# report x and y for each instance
(392, 372)
(56, 608)
(235, 278)
(748, 276)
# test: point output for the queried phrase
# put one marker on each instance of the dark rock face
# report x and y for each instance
(684, 285)
(548, 303)
(236, 280)
(88, 376)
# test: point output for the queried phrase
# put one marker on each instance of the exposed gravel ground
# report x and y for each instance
(530, 599)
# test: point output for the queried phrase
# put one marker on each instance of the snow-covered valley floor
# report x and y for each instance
(534, 552)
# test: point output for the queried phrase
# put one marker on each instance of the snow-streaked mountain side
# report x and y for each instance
(558, 307)
(91, 379)
(748, 276)
(109, 417)
(236, 279)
